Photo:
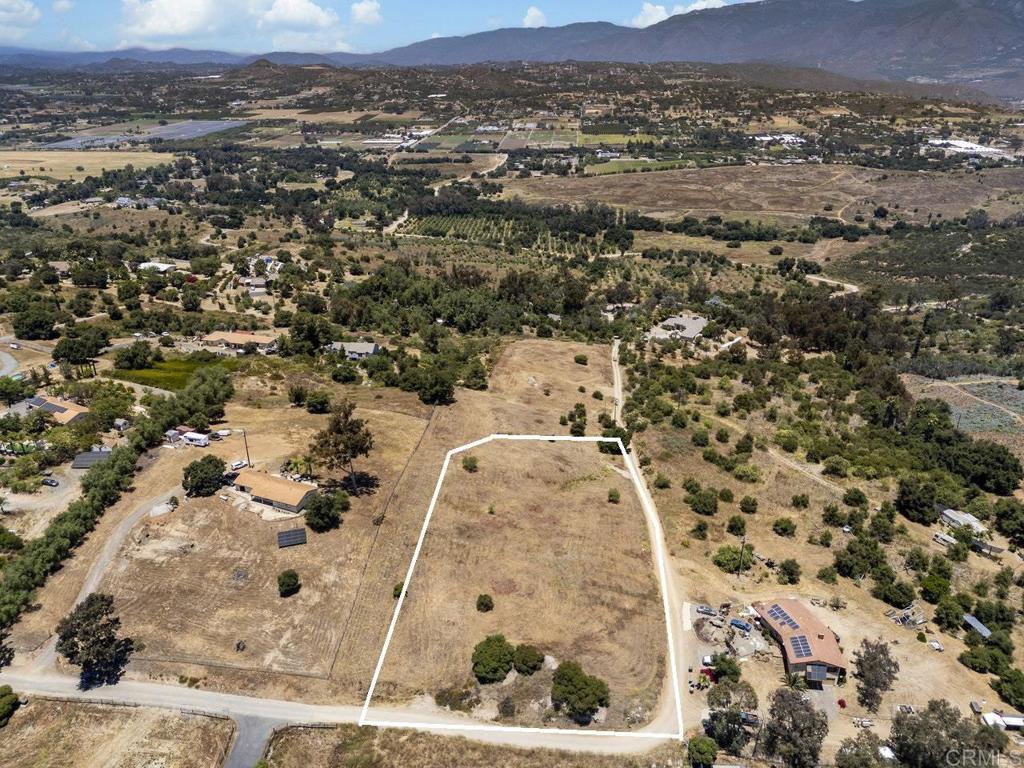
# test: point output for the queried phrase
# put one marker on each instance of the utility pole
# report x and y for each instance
(245, 439)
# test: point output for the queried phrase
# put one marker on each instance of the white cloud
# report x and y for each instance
(16, 18)
(147, 19)
(63, 6)
(298, 14)
(534, 17)
(698, 5)
(367, 12)
(76, 43)
(326, 41)
(649, 14)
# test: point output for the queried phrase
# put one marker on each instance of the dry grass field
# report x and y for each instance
(351, 746)
(54, 734)
(75, 164)
(570, 573)
(788, 194)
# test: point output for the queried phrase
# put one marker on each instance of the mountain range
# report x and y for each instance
(979, 43)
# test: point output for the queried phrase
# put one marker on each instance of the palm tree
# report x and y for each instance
(794, 681)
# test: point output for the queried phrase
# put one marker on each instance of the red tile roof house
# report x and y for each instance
(809, 647)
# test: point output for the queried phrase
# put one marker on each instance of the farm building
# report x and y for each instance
(809, 647)
(64, 412)
(356, 350)
(276, 492)
(954, 518)
(240, 339)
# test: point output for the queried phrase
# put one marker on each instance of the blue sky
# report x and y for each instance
(303, 25)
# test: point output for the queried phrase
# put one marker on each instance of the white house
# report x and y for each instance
(356, 350)
(954, 518)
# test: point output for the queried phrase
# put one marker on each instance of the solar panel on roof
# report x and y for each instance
(779, 613)
(291, 538)
(801, 648)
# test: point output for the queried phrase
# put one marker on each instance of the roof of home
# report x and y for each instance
(804, 638)
(272, 487)
(688, 326)
(238, 337)
(956, 517)
(63, 411)
(360, 347)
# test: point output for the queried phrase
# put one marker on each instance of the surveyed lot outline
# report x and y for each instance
(657, 534)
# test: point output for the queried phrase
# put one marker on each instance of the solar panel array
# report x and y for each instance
(801, 648)
(291, 538)
(778, 613)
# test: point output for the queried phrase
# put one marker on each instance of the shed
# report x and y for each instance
(977, 626)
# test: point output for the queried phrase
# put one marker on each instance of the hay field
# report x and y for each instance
(570, 573)
(54, 734)
(789, 194)
(62, 165)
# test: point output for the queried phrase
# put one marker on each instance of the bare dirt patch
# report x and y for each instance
(570, 573)
(50, 734)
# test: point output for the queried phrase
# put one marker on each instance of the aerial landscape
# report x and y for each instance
(585, 386)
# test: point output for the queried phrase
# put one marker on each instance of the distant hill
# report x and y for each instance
(979, 43)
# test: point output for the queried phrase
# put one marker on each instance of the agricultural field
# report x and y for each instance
(787, 194)
(630, 165)
(54, 734)
(75, 165)
(380, 748)
(171, 374)
(520, 526)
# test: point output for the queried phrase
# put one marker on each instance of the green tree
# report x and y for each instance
(492, 659)
(726, 667)
(789, 572)
(484, 603)
(938, 736)
(288, 583)
(727, 729)
(915, 500)
(137, 356)
(576, 693)
(88, 638)
(344, 439)
(528, 660)
(876, 671)
(318, 401)
(737, 526)
(9, 703)
(323, 512)
(860, 752)
(702, 751)
(204, 477)
(795, 730)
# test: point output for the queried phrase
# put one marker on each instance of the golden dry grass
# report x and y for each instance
(789, 194)
(352, 746)
(569, 572)
(55, 734)
(65, 164)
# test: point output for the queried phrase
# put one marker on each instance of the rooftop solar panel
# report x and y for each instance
(291, 538)
(779, 613)
(801, 648)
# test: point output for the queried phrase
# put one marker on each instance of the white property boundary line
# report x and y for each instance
(657, 533)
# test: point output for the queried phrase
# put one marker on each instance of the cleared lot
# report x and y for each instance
(570, 573)
(75, 165)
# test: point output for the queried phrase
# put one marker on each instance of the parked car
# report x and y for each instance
(49, 482)
(239, 464)
(706, 610)
(15, 346)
